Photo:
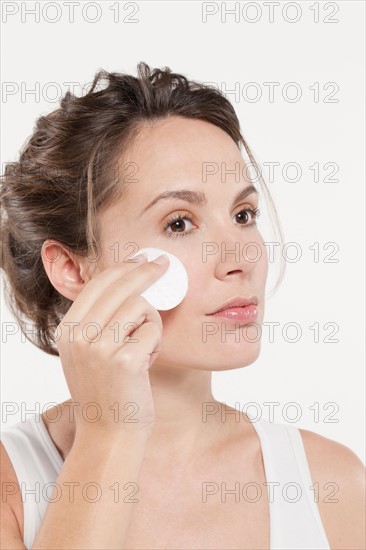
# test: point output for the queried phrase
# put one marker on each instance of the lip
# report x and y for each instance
(236, 305)
(239, 315)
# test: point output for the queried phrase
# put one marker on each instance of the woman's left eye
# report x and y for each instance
(177, 219)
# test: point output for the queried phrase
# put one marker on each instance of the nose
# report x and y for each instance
(235, 255)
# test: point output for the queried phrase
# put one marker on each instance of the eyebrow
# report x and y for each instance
(197, 197)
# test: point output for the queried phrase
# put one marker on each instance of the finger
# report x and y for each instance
(134, 356)
(127, 318)
(112, 284)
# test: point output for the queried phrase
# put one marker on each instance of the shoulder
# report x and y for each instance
(339, 478)
(320, 449)
(9, 476)
(11, 499)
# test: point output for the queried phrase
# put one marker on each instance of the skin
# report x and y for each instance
(169, 155)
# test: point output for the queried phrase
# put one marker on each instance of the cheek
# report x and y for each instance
(262, 262)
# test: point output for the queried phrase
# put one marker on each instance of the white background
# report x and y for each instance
(305, 132)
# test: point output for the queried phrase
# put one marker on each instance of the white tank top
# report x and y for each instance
(295, 521)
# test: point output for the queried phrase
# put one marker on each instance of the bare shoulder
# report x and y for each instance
(11, 504)
(340, 479)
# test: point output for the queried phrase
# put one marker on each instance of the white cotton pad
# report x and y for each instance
(170, 289)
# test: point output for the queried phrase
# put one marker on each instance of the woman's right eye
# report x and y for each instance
(175, 221)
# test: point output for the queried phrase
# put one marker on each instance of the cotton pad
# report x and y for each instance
(170, 289)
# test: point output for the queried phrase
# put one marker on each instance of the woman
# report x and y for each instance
(142, 455)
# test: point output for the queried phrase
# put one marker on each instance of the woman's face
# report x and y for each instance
(194, 155)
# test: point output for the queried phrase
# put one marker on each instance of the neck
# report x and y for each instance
(187, 417)
(181, 397)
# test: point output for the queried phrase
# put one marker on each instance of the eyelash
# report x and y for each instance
(254, 211)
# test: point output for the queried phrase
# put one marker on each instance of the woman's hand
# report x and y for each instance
(111, 372)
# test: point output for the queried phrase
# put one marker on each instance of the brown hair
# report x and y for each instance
(65, 176)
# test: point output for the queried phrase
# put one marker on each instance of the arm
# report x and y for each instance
(10, 532)
(101, 524)
(332, 462)
(81, 524)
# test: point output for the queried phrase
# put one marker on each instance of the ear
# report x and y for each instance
(67, 271)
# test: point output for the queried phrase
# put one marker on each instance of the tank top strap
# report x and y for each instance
(295, 521)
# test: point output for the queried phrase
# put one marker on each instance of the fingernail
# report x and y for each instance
(163, 259)
(140, 257)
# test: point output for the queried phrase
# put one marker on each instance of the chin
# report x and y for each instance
(235, 357)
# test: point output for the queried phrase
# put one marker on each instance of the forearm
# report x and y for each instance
(79, 523)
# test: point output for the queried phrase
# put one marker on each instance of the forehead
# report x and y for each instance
(168, 155)
(182, 145)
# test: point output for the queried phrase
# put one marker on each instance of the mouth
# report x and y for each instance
(236, 302)
(238, 309)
